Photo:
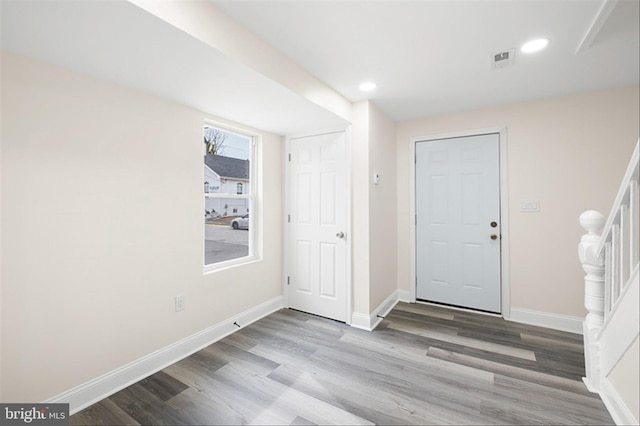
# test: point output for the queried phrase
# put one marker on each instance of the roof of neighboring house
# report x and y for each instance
(227, 167)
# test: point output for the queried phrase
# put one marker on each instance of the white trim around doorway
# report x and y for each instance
(504, 211)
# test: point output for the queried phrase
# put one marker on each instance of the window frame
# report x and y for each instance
(253, 196)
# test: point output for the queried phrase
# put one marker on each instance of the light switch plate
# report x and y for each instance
(530, 206)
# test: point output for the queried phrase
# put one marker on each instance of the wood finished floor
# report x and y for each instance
(422, 365)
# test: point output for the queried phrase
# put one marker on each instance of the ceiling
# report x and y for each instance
(433, 57)
(427, 57)
(121, 43)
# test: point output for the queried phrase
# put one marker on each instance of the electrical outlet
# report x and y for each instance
(179, 303)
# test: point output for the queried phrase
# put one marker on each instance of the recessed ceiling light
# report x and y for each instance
(367, 86)
(534, 45)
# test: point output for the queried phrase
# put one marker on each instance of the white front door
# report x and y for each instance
(458, 222)
(317, 240)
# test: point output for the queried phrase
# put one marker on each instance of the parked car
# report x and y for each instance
(241, 222)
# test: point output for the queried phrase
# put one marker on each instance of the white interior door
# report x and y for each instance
(458, 222)
(317, 243)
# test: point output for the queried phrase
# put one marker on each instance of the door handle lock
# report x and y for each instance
(340, 235)
(494, 224)
(494, 236)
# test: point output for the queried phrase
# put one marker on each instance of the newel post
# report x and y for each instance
(593, 264)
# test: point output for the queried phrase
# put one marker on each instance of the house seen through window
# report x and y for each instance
(227, 195)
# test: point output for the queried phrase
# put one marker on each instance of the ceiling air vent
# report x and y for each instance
(503, 59)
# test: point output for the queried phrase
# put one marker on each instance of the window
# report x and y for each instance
(228, 193)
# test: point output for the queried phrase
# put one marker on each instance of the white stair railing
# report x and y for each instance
(611, 262)
(619, 241)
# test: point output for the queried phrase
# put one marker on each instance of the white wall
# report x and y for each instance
(568, 152)
(92, 264)
(382, 207)
(360, 208)
(373, 208)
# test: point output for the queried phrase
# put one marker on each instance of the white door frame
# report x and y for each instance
(287, 209)
(504, 211)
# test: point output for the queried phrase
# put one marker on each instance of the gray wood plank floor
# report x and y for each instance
(422, 365)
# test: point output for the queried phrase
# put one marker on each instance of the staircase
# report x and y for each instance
(611, 328)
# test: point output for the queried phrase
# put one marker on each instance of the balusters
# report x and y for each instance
(608, 301)
(619, 245)
(615, 262)
(624, 245)
(634, 217)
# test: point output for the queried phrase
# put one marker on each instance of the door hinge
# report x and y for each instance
(416, 217)
(288, 280)
(288, 218)
(289, 157)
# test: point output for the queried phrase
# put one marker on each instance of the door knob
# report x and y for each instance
(494, 237)
(340, 235)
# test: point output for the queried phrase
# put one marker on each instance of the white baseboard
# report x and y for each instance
(616, 406)
(590, 386)
(545, 319)
(103, 386)
(370, 322)
(362, 321)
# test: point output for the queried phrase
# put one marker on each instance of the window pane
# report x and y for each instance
(226, 236)
(227, 195)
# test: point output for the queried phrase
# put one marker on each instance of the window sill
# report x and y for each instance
(221, 266)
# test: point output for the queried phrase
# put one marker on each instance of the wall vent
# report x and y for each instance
(503, 59)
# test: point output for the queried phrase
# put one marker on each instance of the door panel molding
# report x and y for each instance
(504, 211)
